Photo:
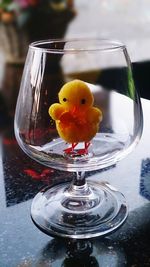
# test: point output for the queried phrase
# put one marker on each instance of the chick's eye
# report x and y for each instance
(64, 99)
(83, 101)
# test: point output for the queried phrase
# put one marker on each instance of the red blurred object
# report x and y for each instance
(9, 141)
(27, 3)
(44, 175)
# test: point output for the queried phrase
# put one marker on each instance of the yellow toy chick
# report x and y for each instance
(76, 118)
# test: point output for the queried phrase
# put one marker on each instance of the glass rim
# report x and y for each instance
(108, 45)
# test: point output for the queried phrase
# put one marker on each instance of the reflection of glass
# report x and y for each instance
(79, 210)
(81, 253)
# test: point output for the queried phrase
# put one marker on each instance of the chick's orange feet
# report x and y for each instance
(70, 150)
(83, 151)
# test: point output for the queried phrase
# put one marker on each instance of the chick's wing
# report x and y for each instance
(55, 111)
(94, 115)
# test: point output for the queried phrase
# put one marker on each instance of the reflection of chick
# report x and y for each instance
(76, 118)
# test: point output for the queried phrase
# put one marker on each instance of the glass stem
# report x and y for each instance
(80, 195)
(79, 186)
(79, 180)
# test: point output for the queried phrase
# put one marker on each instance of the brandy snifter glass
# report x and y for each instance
(78, 110)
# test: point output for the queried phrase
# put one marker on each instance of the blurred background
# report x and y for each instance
(25, 21)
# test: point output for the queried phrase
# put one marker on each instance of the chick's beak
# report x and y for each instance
(74, 109)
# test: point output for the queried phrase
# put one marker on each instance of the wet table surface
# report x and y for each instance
(22, 244)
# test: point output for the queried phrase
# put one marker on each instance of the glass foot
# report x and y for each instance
(86, 211)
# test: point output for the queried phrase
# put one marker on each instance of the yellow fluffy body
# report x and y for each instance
(76, 118)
